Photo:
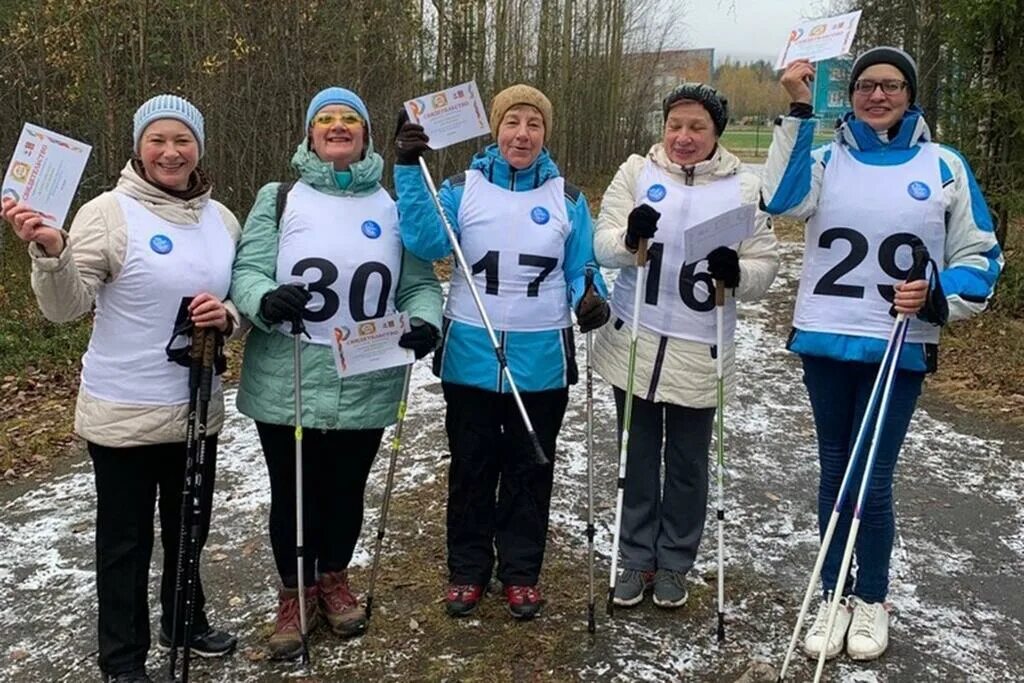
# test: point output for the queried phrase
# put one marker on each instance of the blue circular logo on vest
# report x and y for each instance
(919, 190)
(161, 244)
(540, 215)
(656, 192)
(371, 229)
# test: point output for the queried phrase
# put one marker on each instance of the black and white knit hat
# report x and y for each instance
(708, 97)
(887, 55)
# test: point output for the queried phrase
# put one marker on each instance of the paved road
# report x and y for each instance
(957, 590)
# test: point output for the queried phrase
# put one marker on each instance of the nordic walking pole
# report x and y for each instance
(844, 488)
(627, 418)
(297, 330)
(208, 342)
(195, 365)
(591, 626)
(917, 272)
(720, 444)
(385, 507)
(539, 457)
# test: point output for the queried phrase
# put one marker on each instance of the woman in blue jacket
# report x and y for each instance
(879, 186)
(528, 236)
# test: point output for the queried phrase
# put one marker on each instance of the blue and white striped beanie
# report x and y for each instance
(169, 107)
(336, 95)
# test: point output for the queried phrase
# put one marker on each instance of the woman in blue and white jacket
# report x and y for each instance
(529, 237)
(866, 196)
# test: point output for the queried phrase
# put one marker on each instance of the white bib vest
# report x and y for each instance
(679, 300)
(347, 250)
(514, 242)
(858, 243)
(126, 361)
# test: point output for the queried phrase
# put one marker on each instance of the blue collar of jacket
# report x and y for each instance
(911, 131)
(319, 174)
(500, 173)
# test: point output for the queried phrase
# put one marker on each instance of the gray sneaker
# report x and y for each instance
(670, 588)
(631, 586)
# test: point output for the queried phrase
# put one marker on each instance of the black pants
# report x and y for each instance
(492, 454)
(335, 466)
(129, 481)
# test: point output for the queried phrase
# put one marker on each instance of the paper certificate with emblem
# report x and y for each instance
(451, 115)
(371, 345)
(44, 172)
(820, 39)
(724, 230)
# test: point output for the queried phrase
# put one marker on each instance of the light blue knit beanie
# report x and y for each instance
(335, 95)
(169, 107)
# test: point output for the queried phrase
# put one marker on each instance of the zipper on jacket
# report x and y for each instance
(688, 173)
(659, 359)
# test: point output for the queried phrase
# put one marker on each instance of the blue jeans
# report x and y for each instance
(839, 392)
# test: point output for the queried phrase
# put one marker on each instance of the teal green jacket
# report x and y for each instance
(266, 392)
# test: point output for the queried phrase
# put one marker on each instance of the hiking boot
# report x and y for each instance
(286, 643)
(461, 599)
(670, 589)
(341, 608)
(211, 644)
(868, 636)
(523, 601)
(815, 639)
(631, 586)
(137, 676)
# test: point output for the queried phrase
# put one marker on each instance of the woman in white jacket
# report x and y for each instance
(136, 251)
(684, 180)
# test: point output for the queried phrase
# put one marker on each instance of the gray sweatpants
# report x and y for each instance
(661, 527)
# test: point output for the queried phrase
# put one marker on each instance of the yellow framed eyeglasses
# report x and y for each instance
(348, 118)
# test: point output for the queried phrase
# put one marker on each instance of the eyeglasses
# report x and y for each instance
(348, 119)
(888, 86)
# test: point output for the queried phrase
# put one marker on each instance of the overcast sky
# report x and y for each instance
(757, 29)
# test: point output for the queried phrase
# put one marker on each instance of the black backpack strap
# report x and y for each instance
(282, 200)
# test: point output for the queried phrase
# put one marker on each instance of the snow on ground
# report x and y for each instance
(956, 590)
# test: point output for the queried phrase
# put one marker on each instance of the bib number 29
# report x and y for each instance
(829, 284)
(356, 290)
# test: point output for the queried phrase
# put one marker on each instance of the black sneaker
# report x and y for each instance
(137, 676)
(213, 643)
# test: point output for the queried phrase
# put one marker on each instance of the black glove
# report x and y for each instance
(592, 311)
(287, 302)
(410, 141)
(642, 224)
(936, 307)
(724, 265)
(422, 339)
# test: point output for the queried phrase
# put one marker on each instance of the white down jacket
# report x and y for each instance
(66, 285)
(673, 370)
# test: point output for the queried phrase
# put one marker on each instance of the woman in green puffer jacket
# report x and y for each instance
(333, 256)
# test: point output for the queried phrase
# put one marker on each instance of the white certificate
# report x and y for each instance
(724, 230)
(451, 115)
(820, 39)
(44, 172)
(371, 345)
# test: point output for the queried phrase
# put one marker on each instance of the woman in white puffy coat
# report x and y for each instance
(683, 180)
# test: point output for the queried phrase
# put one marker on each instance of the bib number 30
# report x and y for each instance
(356, 290)
(829, 284)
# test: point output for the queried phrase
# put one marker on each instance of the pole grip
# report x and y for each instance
(538, 452)
(719, 293)
(641, 252)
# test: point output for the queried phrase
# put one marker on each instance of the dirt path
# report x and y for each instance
(957, 588)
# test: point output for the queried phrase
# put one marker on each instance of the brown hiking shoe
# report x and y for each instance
(286, 643)
(340, 607)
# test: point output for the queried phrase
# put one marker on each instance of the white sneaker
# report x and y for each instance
(816, 635)
(869, 631)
